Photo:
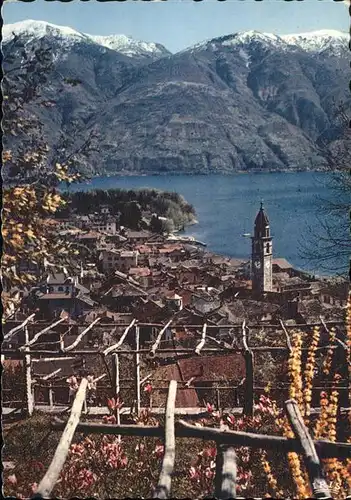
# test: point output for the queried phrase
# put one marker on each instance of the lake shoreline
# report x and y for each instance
(206, 174)
(226, 207)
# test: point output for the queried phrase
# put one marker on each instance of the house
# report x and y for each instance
(335, 294)
(53, 304)
(121, 259)
(142, 275)
(281, 266)
(175, 252)
(62, 293)
(137, 237)
(90, 239)
(174, 301)
(188, 273)
(203, 373)
(122, 297)
(105, 224)
(117, 239)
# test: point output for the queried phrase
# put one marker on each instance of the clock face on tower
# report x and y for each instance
(257, 264)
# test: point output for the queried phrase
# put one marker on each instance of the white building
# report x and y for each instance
(122, 260)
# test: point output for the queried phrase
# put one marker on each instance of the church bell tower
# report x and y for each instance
(261, 255)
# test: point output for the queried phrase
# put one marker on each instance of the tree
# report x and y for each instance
(328, 243)
(131, 215)
(31, 171)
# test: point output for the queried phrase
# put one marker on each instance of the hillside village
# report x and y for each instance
(152, 277)
(124, 275)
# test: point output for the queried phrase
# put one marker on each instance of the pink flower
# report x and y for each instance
(77, 449)
(109, 419)
(86, 478)
(114, 404)
(231, 419)
(12, 479)
(210, 452)
(159, 450)
(194, 474)
(148, 388)
(209, 473)
(209, 407)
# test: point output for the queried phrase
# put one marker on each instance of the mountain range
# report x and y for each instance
(245, 101)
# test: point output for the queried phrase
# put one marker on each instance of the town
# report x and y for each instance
(125, 277)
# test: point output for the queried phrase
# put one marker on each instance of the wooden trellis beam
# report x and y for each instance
(226, 326)
(326, 449)
(173, 350)
(42, 332)
(203, 340)
(338, 341)
(52, 374)
(47, 360)
(221, 343)
(81, 335)
(48, 482)
(158, 339)
(163, 488)
(114, 347)
(288, 342)
(313, 465)
(18, 328)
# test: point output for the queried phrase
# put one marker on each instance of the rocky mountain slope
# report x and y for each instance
(246, 101)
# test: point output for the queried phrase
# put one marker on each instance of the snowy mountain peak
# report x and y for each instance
(314, 41)
(37, 29)
(128, 45)
(68, 36)
(318, 40)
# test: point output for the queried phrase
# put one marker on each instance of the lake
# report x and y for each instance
(226, 206)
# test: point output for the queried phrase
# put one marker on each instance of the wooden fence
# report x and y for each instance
(31, 353)
(226, 441)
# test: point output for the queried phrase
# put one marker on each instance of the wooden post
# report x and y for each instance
(226, 470)
(49, 480)
(218, 402)
(137, 369)
(116, 386)
(85, 406)
(30, 398)
(51, 399)
(313, 465)
(249, 383)
(163, 488)
(115, 374)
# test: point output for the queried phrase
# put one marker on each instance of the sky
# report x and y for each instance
(178, 24)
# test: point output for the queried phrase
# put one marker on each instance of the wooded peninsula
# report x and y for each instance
(160, 211)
